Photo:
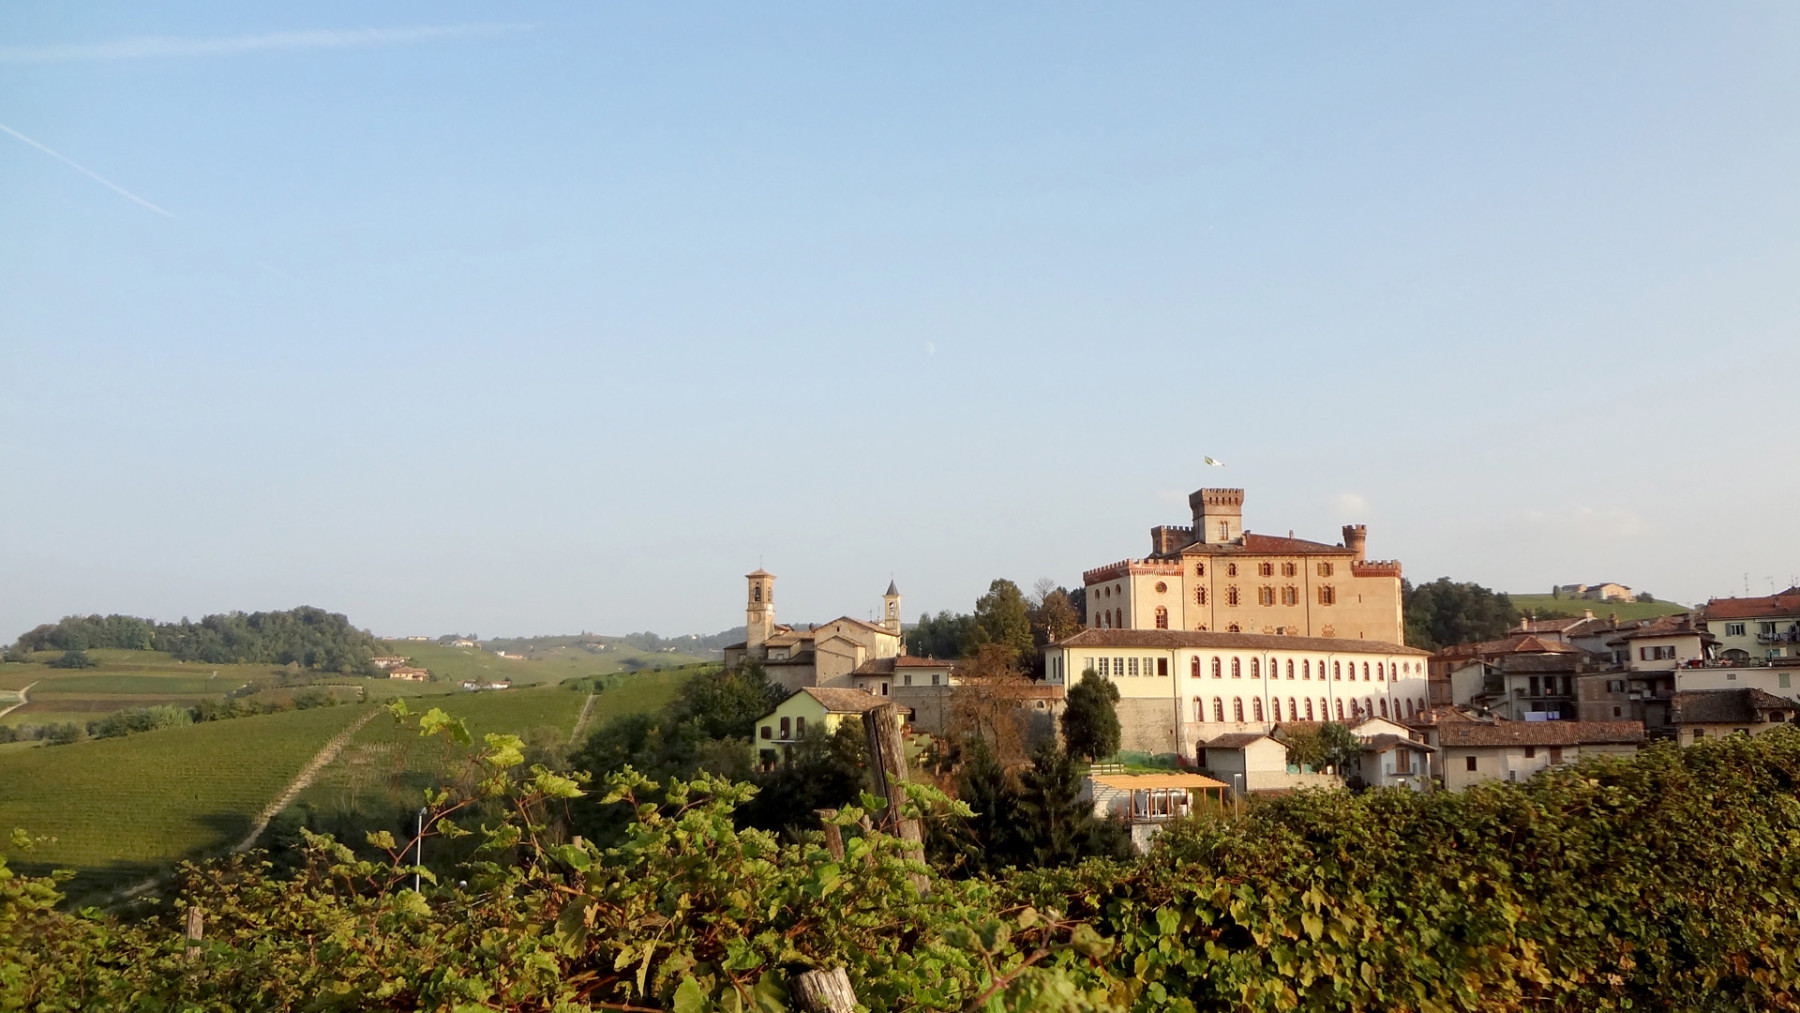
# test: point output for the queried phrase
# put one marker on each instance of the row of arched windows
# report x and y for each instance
(1366, 707)
(1379, 672)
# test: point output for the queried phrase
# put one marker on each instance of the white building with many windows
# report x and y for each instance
(1181, 688)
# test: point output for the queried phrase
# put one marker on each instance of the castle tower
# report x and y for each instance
(1218, 515)
(890, 609)
(1356, 539)
(759, 609)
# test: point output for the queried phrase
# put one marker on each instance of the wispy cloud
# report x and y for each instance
(151, 46)
(78, 167)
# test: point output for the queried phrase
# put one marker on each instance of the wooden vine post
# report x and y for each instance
(834, 834)
(196, 930)
(887, 761)
(825, 991)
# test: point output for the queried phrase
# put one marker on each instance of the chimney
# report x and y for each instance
(1356, 539)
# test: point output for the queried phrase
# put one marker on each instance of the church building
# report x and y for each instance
(826, 655)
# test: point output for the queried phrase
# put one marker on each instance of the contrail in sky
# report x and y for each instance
(87, 171)
(173, 45)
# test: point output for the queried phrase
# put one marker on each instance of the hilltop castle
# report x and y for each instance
(1216, 576)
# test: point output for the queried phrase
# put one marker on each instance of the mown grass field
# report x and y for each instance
(454, 664)
(120, 809)
(1542, 604)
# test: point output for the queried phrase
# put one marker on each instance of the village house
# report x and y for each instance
(409, 674)
(1765, 628)
(1146, 802)
(1712, 714)
(816, 707)
(1216, 576)
(1476, 751)
(387, 661)
(1603, 591)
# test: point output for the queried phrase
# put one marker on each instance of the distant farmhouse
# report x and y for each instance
(1604, 591)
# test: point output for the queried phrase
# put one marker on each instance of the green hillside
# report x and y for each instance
(549, 660)
(121, 808)
(127, 679)
(382, 769)
(1545, 606)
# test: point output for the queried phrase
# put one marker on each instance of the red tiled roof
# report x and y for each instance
(843, 701)
(1264, 545)
(1784, 604)
(1540, 733)
(1232, 740)
(1726, 706)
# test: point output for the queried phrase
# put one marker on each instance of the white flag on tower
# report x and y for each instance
(1216, 464)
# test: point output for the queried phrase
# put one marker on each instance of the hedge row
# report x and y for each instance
(1662, 882)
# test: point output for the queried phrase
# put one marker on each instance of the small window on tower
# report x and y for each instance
(1324, 569)
(1230, 569)
(1162, 618)
(1199, 569)
(1199, 596)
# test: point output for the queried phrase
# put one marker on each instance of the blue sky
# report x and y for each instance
(564, 316)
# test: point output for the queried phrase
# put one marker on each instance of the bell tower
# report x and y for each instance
(759, 609)
(890, 609)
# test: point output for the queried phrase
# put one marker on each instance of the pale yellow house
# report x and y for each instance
(808, 707)
(1216, 576)
(1712, 714)
(1471, 752)
(1766, 628)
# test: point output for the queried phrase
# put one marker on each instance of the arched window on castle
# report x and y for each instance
(1306, 669)
(1218, 668)
(1237, 708)
(1265, 595)
(1365, 671)
(1199, 569)
(1275, 708)
(1231, 596)
(1256, 708)
(1290, 668)
(1265, 569)
(1380, 672)
(1199, 596)
(1199, 709)
(1288, 569)
(1337, 670)
(1309, 710)
(1237, 668)
(1384, 708)
(1290, 595)
(1255, 668)
(1230, 569)
(1218, 709)
(1340, 711)
(1194, 672)
(1293, 709)
(1327, 595)
(1162, 618)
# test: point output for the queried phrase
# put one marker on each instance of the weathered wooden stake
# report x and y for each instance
(834, 834)
(825, 991)
(196, 929)
(887, 760)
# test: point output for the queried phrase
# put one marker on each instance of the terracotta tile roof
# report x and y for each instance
(1561, 662)
(1518, 643)
(886, 666)
(1388, 740)
(1442, 715)
(1171, 639)
(857, 622)
(1549, 625)
(1726, 706)
(1540, 733)
(1233, 740)
(843, 701)
(1140, 782)
(1665, 626)
(1263, 545)
(1778, 605)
